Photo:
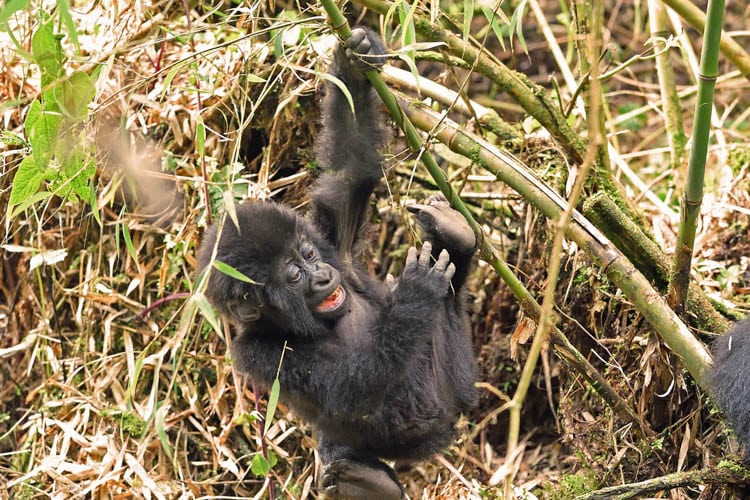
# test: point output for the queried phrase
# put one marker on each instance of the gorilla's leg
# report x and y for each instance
(447, 228)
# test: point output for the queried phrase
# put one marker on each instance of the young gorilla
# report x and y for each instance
(381, 372)
(729, 379)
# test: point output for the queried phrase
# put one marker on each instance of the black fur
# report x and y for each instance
(730, 379)
(385, 374)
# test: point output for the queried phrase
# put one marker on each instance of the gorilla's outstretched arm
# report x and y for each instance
(347, 147)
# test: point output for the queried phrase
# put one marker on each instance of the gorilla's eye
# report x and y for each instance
(308, 252)
(293, 273)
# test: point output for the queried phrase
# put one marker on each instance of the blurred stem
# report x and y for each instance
(669, 100)
(691, 201)
(589, 30)
(697, 19)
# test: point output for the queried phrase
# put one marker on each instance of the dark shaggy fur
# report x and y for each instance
(383, 372)
(730, 379)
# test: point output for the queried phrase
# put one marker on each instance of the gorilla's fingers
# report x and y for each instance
(424, 257)
(443, 260)
(411, 260)
(450, 271)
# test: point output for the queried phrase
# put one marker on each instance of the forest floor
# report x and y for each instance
(115, 383)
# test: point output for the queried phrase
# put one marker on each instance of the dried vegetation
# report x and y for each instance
(114, 384)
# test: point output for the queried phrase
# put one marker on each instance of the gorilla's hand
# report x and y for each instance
(444, 225)
(364, 51)
(435, 280)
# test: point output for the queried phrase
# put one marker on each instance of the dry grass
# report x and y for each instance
(112, 385)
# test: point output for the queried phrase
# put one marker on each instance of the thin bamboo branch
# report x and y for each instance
(616, 266)
(697, 19)
(487, 252)
(693, 197)
(668, 89)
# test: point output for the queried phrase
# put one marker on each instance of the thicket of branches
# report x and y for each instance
(567, 133)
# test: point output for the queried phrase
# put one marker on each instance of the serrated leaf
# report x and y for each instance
(74, 95)
(273, 400)
(232, 272)
(260, 466)
(27, 180)
(42, 129)
(48, 54)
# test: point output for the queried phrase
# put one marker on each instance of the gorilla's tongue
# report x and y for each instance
(333, 301)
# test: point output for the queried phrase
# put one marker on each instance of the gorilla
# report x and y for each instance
(728, 379)
(381, 371)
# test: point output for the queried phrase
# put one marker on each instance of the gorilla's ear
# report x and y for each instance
(243, 311)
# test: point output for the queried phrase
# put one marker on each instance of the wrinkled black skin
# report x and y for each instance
(386, 375)
(730, 379)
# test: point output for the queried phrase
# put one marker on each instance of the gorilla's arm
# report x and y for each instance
(347, 145)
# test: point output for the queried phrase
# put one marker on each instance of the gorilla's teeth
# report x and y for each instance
(333, 301)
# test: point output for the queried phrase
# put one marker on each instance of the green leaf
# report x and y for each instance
(468, 16)
(78, 169)
(260, 466)
(63, 7)
(234, 273)
(74, 95)
(42, 129)
(207, 311)
(273, 400)
(161, 428)
(30, 201)
(48, 54)
(27, 180)
(9, 8)
(128, 241)
(200, 136)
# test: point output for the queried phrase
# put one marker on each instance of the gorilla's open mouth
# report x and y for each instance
(333, 301)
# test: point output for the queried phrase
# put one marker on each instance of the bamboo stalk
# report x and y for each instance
(693, 196)
(670, 102)
(697, 19)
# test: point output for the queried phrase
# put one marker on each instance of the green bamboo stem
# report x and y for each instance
(670, 102)
(697, 19)
(693, 196)
(487, 251)
(616, 266)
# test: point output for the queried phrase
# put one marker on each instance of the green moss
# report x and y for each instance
(573, 485)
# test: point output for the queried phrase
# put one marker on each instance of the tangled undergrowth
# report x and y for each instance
(115, 379)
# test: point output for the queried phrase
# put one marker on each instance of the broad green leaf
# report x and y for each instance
(273, 400)
(74, 95)
(27, 180)
(260, 466)
(42, 129)
(231, 271)
(48, 53)
(78, 169)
